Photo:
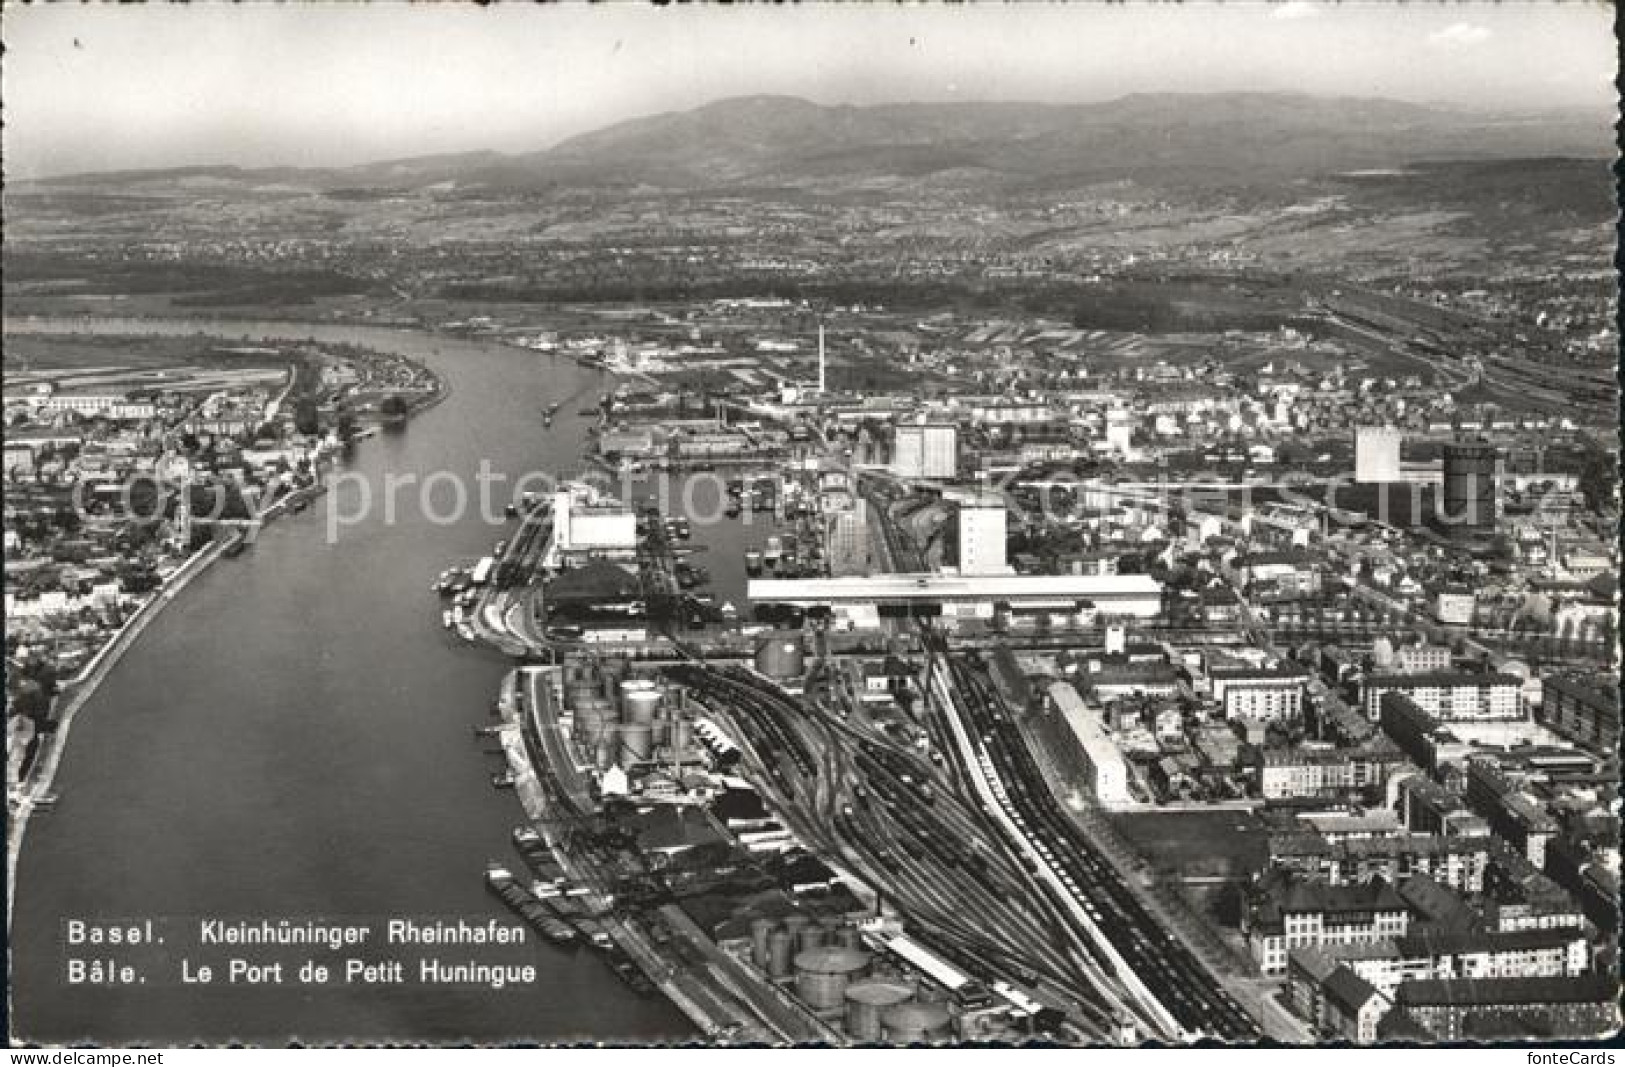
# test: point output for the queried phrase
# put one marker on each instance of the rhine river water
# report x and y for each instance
(292, 738)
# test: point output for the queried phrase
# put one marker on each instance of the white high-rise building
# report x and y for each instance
(1376, 455)
(982, 537)
(926, 450)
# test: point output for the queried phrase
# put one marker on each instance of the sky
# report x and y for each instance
(104, 87)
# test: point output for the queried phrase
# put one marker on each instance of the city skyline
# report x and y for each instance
(91, 89)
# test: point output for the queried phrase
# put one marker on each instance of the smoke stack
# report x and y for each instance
(820, 357)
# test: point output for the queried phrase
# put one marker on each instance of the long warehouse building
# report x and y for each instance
(1134, 595)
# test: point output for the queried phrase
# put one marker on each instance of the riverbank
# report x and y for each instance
(42, 775)
(205, 751)
(24, 799)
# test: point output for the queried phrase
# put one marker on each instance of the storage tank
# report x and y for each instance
(1467, 498)
(809, 937)
(583, 691)
(847, 937)
(682, 740)
(606, 753)
(794, 923)
(761, 930)
(780, 947)
(867, 999)
(916, 1022)
(637, 741)
(782, 654)
(627, 686)
(662, 728)
(822, 975)
(641, 704)
(593, 722)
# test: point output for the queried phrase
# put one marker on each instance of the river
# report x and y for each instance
(292, 739)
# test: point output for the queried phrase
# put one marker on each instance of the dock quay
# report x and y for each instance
(550, 788)
(523, 903)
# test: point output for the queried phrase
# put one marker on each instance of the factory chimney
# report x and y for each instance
(820, 358)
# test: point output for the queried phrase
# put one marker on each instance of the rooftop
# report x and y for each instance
(957, 587)
(1483, 992)
(1440, 678)
(1348, 990)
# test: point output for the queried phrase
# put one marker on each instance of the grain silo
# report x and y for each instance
(761, 929)
(682, 741)
(640, 703)
(592, 722)
(637, 742)
(780, 947)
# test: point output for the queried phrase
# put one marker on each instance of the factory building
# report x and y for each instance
(926, 450)
(1105, 768)
(848, 539)
(1116, 595)
(103, 405)
(1376, 455)
(583, 523)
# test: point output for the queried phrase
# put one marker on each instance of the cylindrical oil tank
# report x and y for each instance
(662, 728)
(847, 937)
(627, 686)
(641, 704)
(782, 654)
(822, 975)
(795, 922)
(780, 947)
(682, 740)
(867, 1000)
(809, 937)
(916, 1022)
(761, 929)
(637, 741)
